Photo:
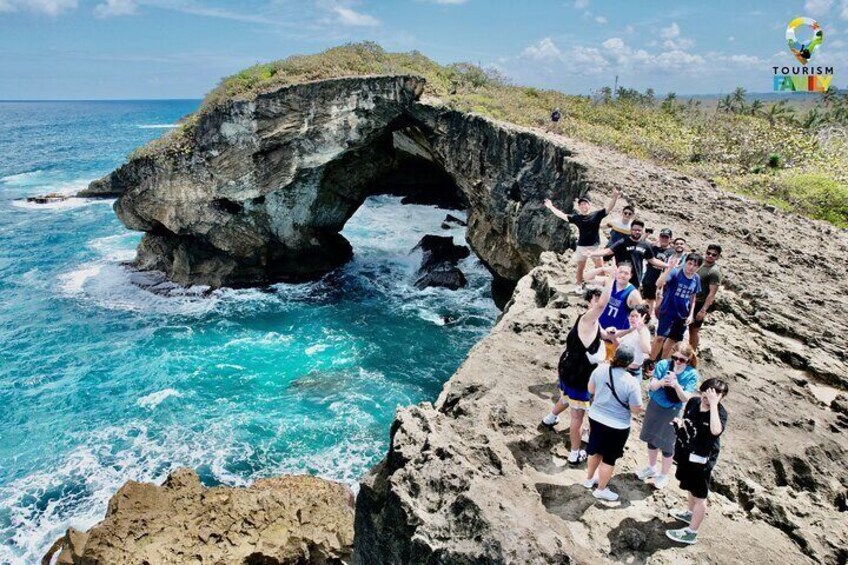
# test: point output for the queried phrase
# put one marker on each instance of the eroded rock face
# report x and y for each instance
(473, 477)
(260, 189)
(285, 520)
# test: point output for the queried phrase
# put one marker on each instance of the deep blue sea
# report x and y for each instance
(101, 382)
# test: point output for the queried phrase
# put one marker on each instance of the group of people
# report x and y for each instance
(650, 284)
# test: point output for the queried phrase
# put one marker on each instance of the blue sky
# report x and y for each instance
(93, 49)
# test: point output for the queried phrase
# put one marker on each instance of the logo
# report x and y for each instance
(804, 78)
(804, 52)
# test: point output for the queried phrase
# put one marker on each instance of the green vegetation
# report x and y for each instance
(764, 150)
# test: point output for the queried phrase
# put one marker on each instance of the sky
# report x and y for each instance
(126, 49)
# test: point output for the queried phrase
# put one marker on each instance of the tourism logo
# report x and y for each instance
(805, 78)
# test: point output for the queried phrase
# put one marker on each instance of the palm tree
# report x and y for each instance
(812, 119)
(725, 104)
(738, 100)
(780, 111)
(756, 107)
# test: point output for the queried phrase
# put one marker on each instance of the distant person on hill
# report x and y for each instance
(710, 275)
(624, 297)
(620, 228)
(673, 383)
(696, 452)
(633, 250)
(588, 226)
(556, 115)
(616, 396)
(582, 354)
(662, 250)
(680, 285)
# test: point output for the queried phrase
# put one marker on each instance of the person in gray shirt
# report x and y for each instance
(617, 396)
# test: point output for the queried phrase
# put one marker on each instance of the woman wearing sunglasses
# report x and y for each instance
(672, 385)
(620, 228)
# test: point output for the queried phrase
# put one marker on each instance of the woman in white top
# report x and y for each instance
(638, 338)
(620, 228)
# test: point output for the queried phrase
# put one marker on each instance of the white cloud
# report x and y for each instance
(629, 29)
(680, 43)
(817, 7)
(843, 10)
(350, 17)
(731, 39)
(671, 31)
(48, 7)
(545, 50)
(601, 20)
(116, 8)
(581, 4)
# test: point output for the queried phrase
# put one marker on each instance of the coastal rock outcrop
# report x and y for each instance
(474, 478)
(284, 520)
(253, 191)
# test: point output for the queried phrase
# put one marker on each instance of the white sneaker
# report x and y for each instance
(605, 494)
(575, 458)
(661, 481)
(646, 473)
(589, 483)
(547, 421)
(578, 289)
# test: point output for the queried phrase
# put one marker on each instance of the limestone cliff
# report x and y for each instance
(474, 479)
(258, 190)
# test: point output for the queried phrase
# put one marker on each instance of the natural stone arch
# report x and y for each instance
(258, 190)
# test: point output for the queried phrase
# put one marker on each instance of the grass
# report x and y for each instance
(776, 160)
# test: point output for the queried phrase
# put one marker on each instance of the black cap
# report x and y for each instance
(584, 199)
(666, 232)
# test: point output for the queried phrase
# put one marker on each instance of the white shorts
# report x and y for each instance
(586, 249)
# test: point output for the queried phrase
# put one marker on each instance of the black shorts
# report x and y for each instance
(606, 441)
(649, 290)
(694, 477)
(698, 306)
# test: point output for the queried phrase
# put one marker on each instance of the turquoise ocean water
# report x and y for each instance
(101, 382)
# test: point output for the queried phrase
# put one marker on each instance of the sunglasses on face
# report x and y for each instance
(680, 359)
(711, 254)
(627, 214)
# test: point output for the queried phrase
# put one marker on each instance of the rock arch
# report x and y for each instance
(258, 190)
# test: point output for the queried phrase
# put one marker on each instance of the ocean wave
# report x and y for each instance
(154, 399)
(157, 126)
(22, 178)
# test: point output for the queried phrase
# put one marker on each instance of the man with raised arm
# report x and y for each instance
(588, 229)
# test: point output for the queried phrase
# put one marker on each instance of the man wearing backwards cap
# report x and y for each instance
(588, 229)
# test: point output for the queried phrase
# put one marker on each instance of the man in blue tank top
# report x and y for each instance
(623, 299)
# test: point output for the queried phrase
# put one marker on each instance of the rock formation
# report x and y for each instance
(261, 191)
(258, 190)
(473, 478)
(286, 520)
(439, 257)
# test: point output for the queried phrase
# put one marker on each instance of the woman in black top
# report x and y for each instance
(696, 452)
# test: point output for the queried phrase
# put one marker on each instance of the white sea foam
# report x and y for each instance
(156, 126)
(154, 399)
(317, 348)
(60, 205)
(22, 179)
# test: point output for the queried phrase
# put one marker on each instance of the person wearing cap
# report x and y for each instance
(662, 251)
(588, 230)
(617, 395)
